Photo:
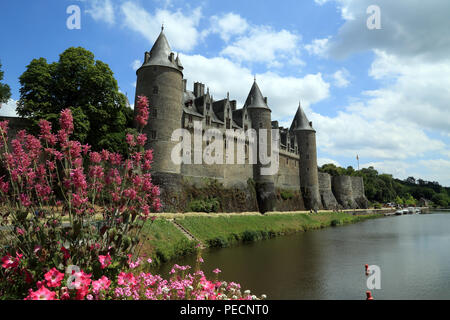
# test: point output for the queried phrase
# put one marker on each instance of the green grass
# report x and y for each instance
(225, 231)
(163, 242)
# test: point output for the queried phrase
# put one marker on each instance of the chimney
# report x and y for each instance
(171, 57)
(184, 85)
(233, 105)
(265, 100)
(310, 123)
(198, 89)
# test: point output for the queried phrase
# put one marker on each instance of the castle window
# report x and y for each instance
(190, 118)
(228, 123)
(155, 113)
(155, 90)
(152, 134)
(260, 124)
(246, 127)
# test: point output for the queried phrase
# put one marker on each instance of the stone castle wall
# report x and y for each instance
(328, 199)
(342, 190)
(358, 192)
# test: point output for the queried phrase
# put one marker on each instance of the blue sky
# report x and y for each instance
(382, 94)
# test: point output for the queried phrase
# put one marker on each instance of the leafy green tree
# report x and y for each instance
(86, 86)
(5, 90)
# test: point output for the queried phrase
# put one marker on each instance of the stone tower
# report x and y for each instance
(260, 116)
(160, 79)
(306, 140)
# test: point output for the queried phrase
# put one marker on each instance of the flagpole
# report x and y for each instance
(357, 158)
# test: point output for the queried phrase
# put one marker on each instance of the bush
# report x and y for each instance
(208, 205)
(55, 192)
(286, 194)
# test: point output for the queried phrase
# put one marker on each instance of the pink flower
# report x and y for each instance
(130, 140)
(66, 121)
(96, 157)
(142, 111)
(9, 262)
(217, 271)
(105, 261)
(54, 278)
(126, 279)
(25, 200)
(41, 294)
(101, 284)
(65, 253)
(141, 139)
(4, 127)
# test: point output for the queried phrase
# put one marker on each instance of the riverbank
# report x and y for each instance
(163, 241)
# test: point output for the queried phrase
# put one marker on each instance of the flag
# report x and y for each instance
(357, 157)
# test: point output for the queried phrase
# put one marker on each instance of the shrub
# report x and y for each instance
(53, 195)
(286, 194)
(208, 205)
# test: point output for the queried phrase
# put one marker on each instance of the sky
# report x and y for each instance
(380, 93)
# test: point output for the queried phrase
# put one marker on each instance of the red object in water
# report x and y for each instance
(369, 295)
(367, 269)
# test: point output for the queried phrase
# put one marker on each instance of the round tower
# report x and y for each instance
(160, 79)
(309, 178)
(261, 118)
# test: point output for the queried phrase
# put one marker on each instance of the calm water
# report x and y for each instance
(413, 252)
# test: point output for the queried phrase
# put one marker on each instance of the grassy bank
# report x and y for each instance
(223, 231)
(163, 242)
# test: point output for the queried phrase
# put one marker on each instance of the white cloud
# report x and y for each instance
(350, 133)
(136, 64)
(9, 109)
(341, 78)
(180, 26)
(101, 10)
(222, 75)
(318, 47)
(322, 161)
(263, 44)
(403, 32)
(228, 25)
(429, 170)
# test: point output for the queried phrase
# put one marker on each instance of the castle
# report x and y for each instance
(173, 106)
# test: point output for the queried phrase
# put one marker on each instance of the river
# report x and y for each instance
(412, 251)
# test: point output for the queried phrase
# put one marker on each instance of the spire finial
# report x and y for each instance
(254, 78)
(162, 26)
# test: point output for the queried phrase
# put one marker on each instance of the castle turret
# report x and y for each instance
(260, 115)
(306, 140)
(160, 79)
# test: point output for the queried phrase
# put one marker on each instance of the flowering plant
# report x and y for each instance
(182, 285)
(63, 204)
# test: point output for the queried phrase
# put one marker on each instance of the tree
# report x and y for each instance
(87, 86)
(5, 90)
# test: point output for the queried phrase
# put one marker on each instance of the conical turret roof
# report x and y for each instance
(161, 54)
(301, 122)
(255, 98)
